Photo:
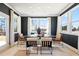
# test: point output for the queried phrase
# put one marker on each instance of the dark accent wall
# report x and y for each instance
(53, 25)
(4, 9)
(16, 36)
(72, 40)
(24, 25)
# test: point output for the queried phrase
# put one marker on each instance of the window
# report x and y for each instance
(39, 22)
(70, 21)
(2, 26)
(75, 18)
(64, 22)
(15, 22)
(3, 31)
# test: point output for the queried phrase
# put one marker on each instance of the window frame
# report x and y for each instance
(66, 22)
(29, 25)
(72, 19)
(6, 42)
(15, 21)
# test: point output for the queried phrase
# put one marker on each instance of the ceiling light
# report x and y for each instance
(39, 7)
(48, 7)
(30, 7)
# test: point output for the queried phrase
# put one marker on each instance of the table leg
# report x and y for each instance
(37, 50)
(51, 50)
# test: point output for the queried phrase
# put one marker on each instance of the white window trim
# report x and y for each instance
(74, 32)
(7, 27)
(69, 25)
(29, 26)
(63, 31)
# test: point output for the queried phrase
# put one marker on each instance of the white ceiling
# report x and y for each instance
(39, 9)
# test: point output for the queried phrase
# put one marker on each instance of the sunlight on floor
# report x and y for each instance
(21, 50)
(2, 40)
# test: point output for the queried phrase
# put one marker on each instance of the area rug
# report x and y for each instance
(22, 53)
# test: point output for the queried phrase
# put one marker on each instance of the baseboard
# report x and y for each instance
(71, 48)
(6, 47)
(13, 44)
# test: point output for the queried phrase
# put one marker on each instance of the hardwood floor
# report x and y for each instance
(57, 51)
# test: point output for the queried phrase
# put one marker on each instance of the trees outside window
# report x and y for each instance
(64, 22)
(75, 18)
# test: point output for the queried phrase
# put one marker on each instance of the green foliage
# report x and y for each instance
(64, 27)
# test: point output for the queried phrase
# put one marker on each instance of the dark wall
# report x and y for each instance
(53, 25)
(4, 9)
(16, 37)
(71, 40)
(24, 24)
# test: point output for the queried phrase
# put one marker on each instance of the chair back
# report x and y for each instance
(31, 42)
(47, 42)
(21, 37)
(58, 37)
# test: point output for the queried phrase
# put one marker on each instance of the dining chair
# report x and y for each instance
(47, 42)
(21, 39)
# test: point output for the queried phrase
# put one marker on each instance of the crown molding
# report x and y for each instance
(11, 7)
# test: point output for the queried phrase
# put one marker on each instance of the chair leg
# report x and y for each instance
(26, 51)
(18, 43)
(41, 50)
(51, 50)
